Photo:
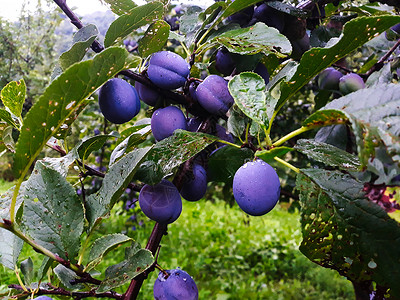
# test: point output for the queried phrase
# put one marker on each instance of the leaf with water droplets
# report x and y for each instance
(170, 153)
(154, 38)
(120, 7)
(137, 260)
(345, 231)
(60, 101)
(10, 248)
(53, 213)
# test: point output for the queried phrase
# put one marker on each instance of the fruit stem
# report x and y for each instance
(290, 166)
(229, 143)
(291, 135)
(19, 280)
(247, 133)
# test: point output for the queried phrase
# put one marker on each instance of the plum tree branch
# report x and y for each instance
(62, 292)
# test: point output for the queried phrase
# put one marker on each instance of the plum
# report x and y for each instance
(178, 284)
(269, 16)
(195, 188)
(350, 83)
(224, 62)
(193, 124)
(242, 17)
(262, 70)
(165, 121)
(213, 95)
(43, 298)
(161, 202)
(119, 102)
(256, 188)
(168, 70)
(146, 94)
(300, 46)
(328, 79)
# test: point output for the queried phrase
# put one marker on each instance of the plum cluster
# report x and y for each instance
(333, 80)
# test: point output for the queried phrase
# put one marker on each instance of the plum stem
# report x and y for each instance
(285, 163)
(291, 135)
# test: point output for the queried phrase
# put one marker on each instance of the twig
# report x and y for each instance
(380, 63)
(76, 295)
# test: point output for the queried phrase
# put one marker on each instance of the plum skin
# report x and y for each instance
(329, 78)
(146, 94)
(43, 298)
(256, 188)
(214, 96)
(178, 285)
(224, 62)
(161, 202)
(195, 188)
(350, 83)
(119, 101)
(168, 70)
(165, 121)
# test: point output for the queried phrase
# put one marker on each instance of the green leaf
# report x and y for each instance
(289, 9)
(60, 100)
(66, 276)
(375, 118)
(92, 144)
(53, 213)
(7, 138)
(154, 38)
(121, 7)
(345, 231)
(190, 23)
(328, 154)
(134, 19)
(44, 267)
(116, 180)
(383, 76)
(82, 40)
(247, 89)
(355, 33)
(325, 117)
(27, 270)
(237, 121)
(268, 155)
(236, 6)
(136, 138)
(255, 39)
(172, 152)
(102, 246)
(10, 248)
(6, 116)
(13, 96)
(136, 261)
(224, 163)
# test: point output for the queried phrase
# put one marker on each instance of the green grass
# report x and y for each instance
(5, 185)
(230, 255)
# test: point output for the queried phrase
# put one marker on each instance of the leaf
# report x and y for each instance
(190, 23)
(131, 141)
(6, 116)
(328, 154)
(92, 144)
(82, 40)
(325, 117)
(8, 139)
(121, 7)
(237, 121)
(136, 261)
(225, 161)
(384, 76)
(53, 213)
(171, 152)
(375, 118)
(355, 33)
(27, 270)
(289, 9)
(10, 248)
(268, 155)
(67, 276)
(102, 246)
(154, 38)
(60, 100)
(343, 230)
(255, 39)
(116, 180)
(44, 267)
(135, 18)
(13, 96)
(237, 6)
(247, 89)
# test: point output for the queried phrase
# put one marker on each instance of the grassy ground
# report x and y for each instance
(230, 255)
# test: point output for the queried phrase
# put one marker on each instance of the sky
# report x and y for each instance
(10, 8)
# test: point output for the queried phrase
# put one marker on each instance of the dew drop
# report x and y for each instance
(372, 264)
